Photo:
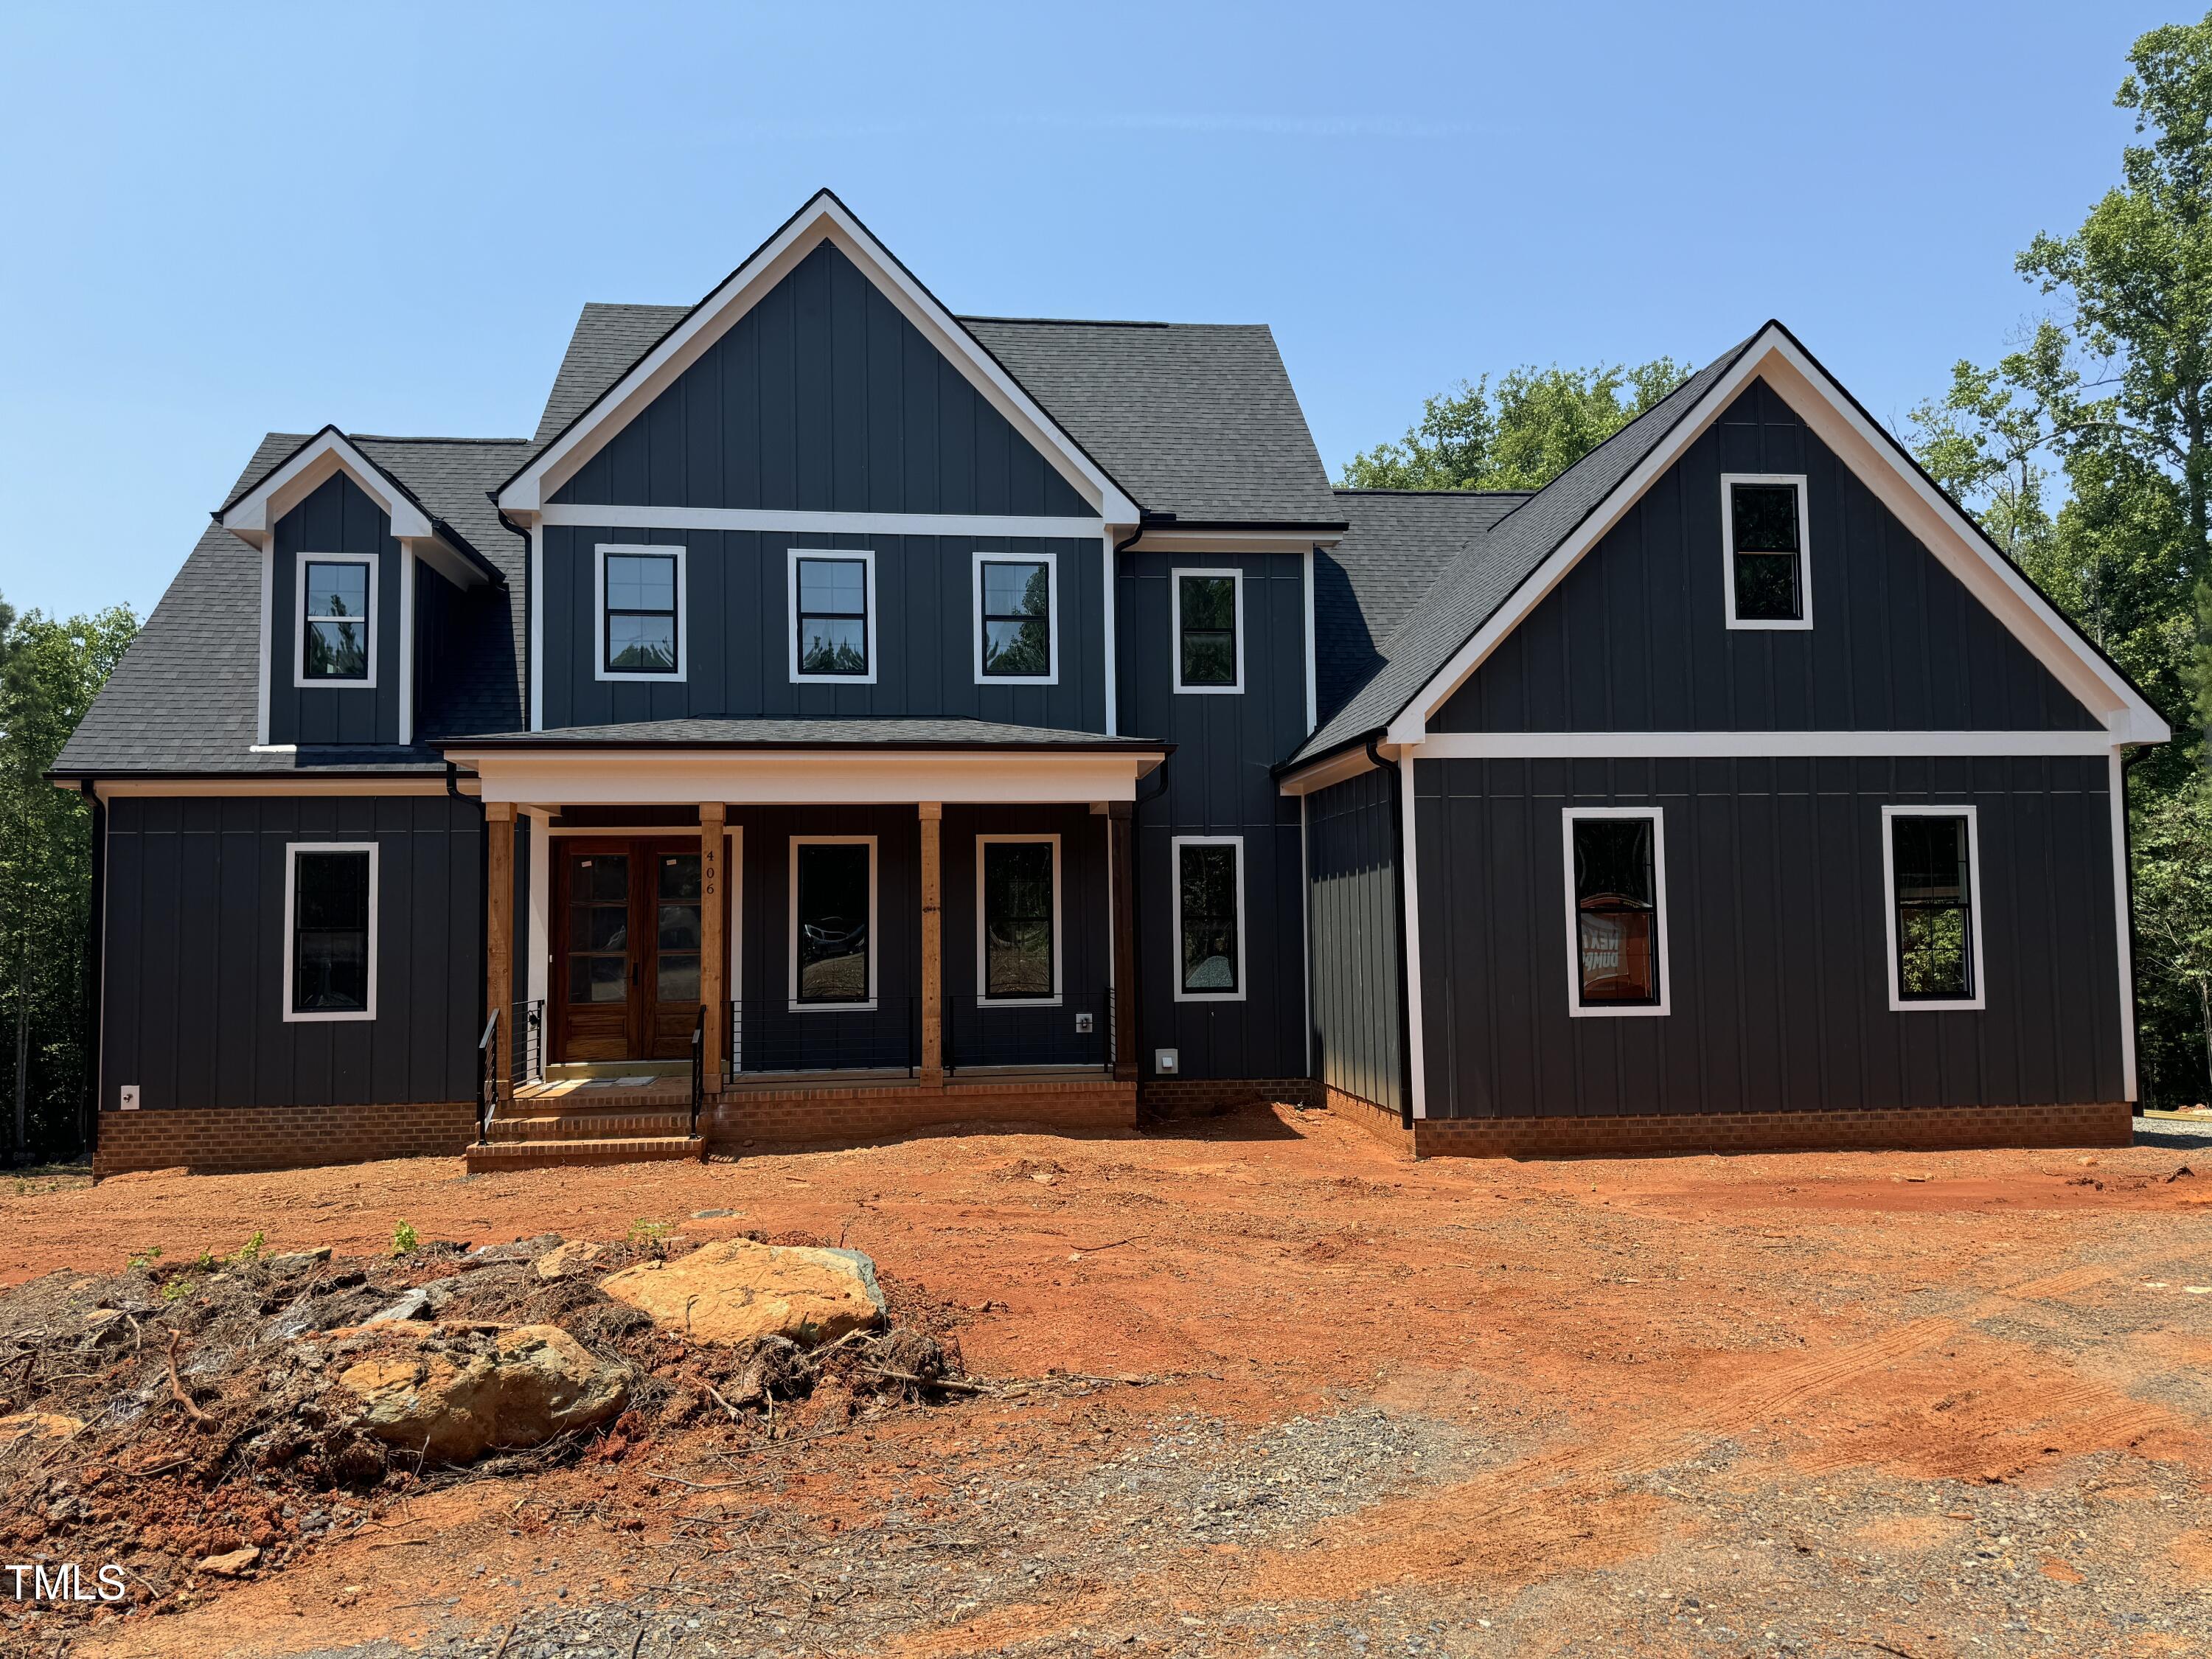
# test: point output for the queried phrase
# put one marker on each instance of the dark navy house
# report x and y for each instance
(842, 716)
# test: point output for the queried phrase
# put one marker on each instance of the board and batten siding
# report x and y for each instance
(337, 517)
(1352, 873)
(1218, 782)
(195, 956)
(825, 399)
(1634, 637)
(1777, 941)
(738, 623)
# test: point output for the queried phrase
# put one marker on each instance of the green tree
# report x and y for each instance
(1539, 423)
(50, 672)
(2172, 847)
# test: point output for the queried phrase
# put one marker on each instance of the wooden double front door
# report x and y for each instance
(627, 931)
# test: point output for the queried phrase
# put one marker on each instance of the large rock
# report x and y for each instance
(734, 1289)
(453, 1400)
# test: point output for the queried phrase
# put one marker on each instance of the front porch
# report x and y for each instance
(668, 978)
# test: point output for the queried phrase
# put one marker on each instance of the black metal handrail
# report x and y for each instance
(698, 1067)
(487, 1077)
(768, 1034)
(1075, 1027)
(528, 1062)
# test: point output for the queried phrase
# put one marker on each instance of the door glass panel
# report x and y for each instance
(677, 925)
(679, 977)
(599, 927)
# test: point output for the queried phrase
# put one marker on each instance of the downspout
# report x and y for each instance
(1136, 907)
(94, 989)
(1405, 973)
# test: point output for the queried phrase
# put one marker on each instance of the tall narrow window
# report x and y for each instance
(1209, 650)
(1616, 904)
(1763, 521)
(832, 636)
(1934, 935)
(1018, 903)
(330, 905)
(334, 619)
(833, 906)
(1209, 917)
(1014, 622)
(640, 617)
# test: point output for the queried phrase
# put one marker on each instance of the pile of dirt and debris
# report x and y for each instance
(207, 1420)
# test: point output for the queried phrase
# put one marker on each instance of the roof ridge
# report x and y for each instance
(1101, 322)
(1424, 489)
(425, 438)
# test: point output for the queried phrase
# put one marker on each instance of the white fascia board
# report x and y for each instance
(278, 783)
(802, 777)
(254, 515)
(1647, 745)
(1334, 770)
(774, 519)
(1876, 459)
(823, 219)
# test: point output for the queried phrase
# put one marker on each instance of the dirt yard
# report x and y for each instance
(1272, 1390)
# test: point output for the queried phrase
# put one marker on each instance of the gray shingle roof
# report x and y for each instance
(1365, 585)
(1469, 589)
(185, 697)
(718, 734)
(1196, 419)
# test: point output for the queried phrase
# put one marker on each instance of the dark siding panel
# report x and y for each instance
(1776, 940)
(825, 399)
(195, 953)
(336, 518)
(1633, 639)
(1218, 782)
(1351, 870)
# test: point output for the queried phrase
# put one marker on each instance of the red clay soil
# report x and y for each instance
(1926, 1404)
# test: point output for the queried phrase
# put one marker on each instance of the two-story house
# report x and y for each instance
(842, 716)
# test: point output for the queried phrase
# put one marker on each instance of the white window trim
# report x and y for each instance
(292, 851)
(867, 557)
(875, 945)
(1898, 1003)
(1175, 844)
(983, 998)
(1576, 1008)
(1175, 629)
(1051, 562)
(300, 561)
(1804, 551)
(666, 550)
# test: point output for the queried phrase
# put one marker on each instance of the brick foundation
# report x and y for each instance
(1160, 1097)
(1933, 1128)
(227, 1139)
(878, 1112)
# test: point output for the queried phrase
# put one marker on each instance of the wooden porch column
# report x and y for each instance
(1120, 827)
(933, 942)
(714, 946)
(499, 937)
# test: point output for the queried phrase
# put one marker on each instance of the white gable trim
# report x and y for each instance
(1874, 458)
(823, 219)
(252, 517)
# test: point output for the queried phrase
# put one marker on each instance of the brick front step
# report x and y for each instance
(601, 1125)
(575, 1154)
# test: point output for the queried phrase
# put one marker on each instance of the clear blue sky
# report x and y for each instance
(222, 220)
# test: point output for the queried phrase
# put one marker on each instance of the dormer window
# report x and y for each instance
(640, 613)
(1762, 534)
(337, 599)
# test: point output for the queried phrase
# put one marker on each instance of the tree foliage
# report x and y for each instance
(1539, 423)
(50, 672)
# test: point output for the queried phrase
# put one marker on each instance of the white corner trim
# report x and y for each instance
(1313, 689)
(1175, 844)
(300, 561)
(268, 647)
(1874, 458)
(866, 557)
(983, 998)
(406, 644)
(1175, 629)
(253, 516)
(537, 628)
(1409, 865)
(2123, 922)
(1643, 745)
(1106, 561)
(1803, 620)
(793, 521)
(822, 219)
(1577, 1009)
(1898, 1003)
(1305, 932)
(292, 851)
(599, 669)
(875, 937)
(1051, 563)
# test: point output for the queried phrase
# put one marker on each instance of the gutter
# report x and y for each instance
(1404, 983)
